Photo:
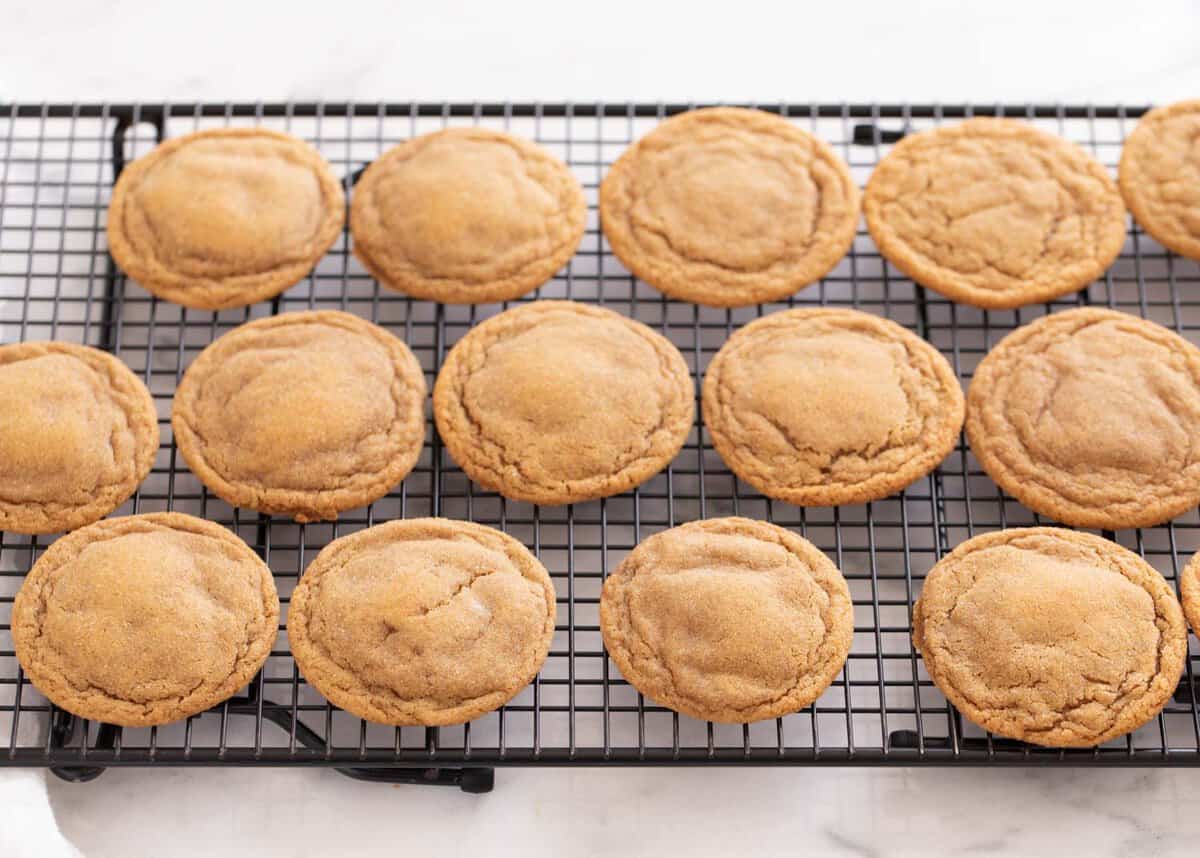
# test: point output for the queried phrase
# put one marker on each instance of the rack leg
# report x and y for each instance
(61, 727)
(474, 780)
(468, 779)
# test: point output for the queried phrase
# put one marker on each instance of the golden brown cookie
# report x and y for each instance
(302, 414)
(1091, 417)
(995, 213)
(1189, 592)
(821, 407)
(727, 207)
(145, 619)
(225, 217)
(78, 434)
(556, 402)
(728, 620)
(425, 621)
(1050, 636)
(466, 216)
(1160, 176)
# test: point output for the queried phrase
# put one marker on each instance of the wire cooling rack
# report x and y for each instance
(57, 165)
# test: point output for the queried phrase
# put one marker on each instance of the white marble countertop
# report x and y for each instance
(613, 50)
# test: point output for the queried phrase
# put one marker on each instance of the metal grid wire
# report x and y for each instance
(57, 165)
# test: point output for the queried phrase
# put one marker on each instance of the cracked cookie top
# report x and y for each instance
(1050, 636)
(224, 217)
(821, 407)
(1160, 176)
(303, 414)
(425, 621)
(78, 434)
(995, 213)
(727, 207)
(1091, 417)
(556, 402)
(728, 620)
(145, 619)
(466, 216)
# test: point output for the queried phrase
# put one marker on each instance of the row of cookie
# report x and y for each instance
(1040, 634)
(1087, 416)
(720, 206)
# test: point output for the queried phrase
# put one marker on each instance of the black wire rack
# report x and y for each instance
(57, 281)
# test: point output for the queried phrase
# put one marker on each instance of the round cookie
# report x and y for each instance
(1189, 591)
(1160, 176)
(727, 207)
(821, 407)
(1050, 636)
(995, 213)
(556, 402)
(425, 621)
(145, 619)
(1091, 417)
(303, 414)
(78, 434)
(728, 620)
(466, 216)
(225, 217)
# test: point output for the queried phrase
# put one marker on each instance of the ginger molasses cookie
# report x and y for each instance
(1050, 636)
(727, 207)
(821, 407)
(728, 620)
(1160, 176)
(425, 621)
(1189, 591)
(995, 213)
(1091, 417)
(303, 414)
(225, 217)
(556, 402)
(145, 619)
(466, 216)
(78, 434)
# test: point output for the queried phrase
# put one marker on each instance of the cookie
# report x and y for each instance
(995, 213)
(303, 414)
(466, 216)
(1090, 417)
(78, 434)
(727, 620)
(555, 402)
(727, 207)
(145, 619)
(1160, 176)
(821, 407)
(1050, 636)
(425, 621)
(225, 217)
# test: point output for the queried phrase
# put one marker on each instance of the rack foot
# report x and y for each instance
(77, 774)
(476, 780)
